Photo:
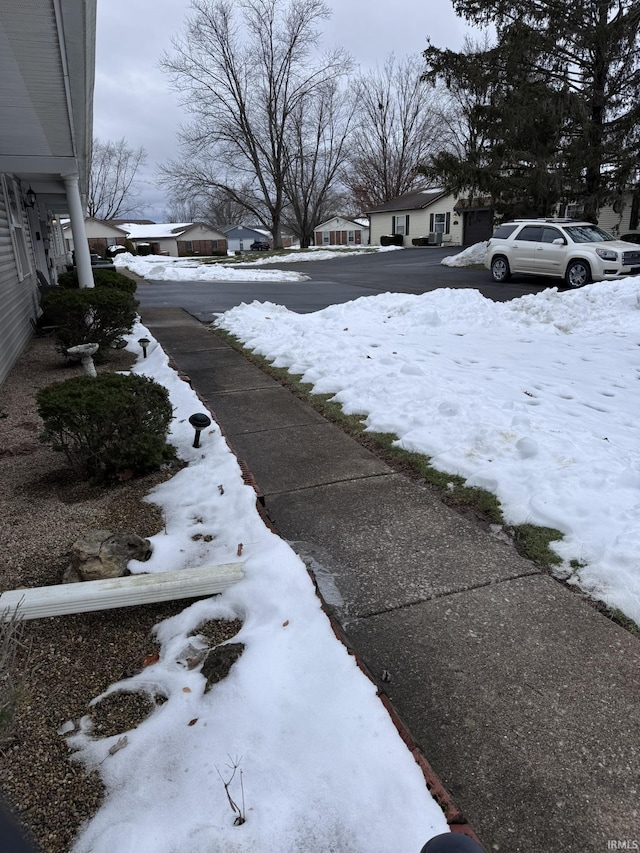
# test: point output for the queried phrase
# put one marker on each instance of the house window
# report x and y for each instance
(325, 238)
(400, 225)
(111, 241)
(188, 246)
(440, 223)
(575, 211)
(351, 236)
(16, 226)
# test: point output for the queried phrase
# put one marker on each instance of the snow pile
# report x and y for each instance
(320, 765)
(467, 257)
(162, 268)
(535, 399)
(322, 254)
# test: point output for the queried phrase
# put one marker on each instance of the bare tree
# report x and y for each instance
(112, 187)
(211, 205)
(243, 70)
(397, 129)
(316, 151)
(183, 210)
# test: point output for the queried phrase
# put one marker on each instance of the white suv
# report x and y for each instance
(578, 252)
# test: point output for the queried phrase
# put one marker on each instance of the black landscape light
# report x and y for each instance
(452, 842)
(199, 421)
(144, 343)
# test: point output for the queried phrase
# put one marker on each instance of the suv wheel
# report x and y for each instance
(500, 271)
(578, 274)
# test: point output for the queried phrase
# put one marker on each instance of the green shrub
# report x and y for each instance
(109, 278)
(392, 240)
(101, 278)
(68, 279)
(420, 241)
(111, 426)
(98, 315)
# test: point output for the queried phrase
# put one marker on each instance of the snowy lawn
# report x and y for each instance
(320, 253)
(536, 400)
(163, 268)
(320, 766)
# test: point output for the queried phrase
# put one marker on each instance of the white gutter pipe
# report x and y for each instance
(62, 599)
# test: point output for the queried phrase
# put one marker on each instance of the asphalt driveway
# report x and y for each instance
(335, 281)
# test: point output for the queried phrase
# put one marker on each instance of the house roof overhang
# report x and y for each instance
(47, 66)
(416, 200)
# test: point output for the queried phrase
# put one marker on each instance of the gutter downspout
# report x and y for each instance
(80, 243)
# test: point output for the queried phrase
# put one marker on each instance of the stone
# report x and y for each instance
(101, 554)
(219, 661)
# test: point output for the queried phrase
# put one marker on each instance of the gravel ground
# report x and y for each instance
(43, 510)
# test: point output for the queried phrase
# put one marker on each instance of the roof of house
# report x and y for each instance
(157, 231)
(416, 200)
(110, 223)
(361, 223)
(242, 227)
(131, 221)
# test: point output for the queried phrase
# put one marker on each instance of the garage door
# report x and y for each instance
(478, 226)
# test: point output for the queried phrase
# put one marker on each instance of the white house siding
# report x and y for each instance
(419, 222)
(18, 298)
(617, 221)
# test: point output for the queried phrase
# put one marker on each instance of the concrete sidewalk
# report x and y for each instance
(523, 698)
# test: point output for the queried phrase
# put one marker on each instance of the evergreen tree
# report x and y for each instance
(560, 110)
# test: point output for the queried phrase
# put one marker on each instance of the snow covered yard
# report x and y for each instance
(536, 399)
(164, 268)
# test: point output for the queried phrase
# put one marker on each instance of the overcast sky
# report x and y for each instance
(132, 96)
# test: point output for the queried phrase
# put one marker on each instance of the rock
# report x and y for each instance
(102, 554)
(219, 661)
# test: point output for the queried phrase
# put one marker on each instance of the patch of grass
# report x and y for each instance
(619, 618)
(534, 542)
(530, 540)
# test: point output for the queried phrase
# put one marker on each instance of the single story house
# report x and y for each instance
(100, 235)
(47, 67)
(433, 215)
(342, 231)
(240, 237)
(177, 239)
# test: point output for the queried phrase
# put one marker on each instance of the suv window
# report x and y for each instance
(506, 230)
(551, 234)
(587, 234)
(531, 233)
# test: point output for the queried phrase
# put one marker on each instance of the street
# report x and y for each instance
(336, 281)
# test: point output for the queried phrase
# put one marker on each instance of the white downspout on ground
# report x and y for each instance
(62, 599)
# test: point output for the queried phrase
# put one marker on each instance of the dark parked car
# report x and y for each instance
(260, 246)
